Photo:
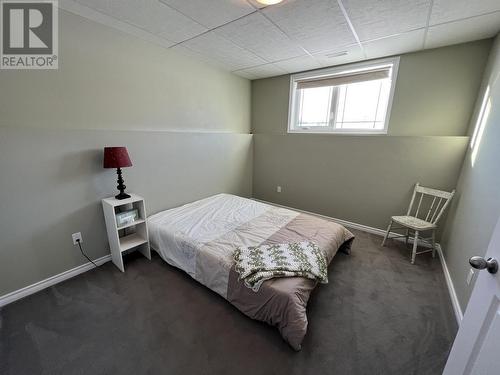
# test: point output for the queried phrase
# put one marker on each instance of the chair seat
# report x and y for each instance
(413, 222)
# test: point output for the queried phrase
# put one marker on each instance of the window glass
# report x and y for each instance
(354, 100)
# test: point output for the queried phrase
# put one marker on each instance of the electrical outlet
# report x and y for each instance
(76, 237)
(470, 276)
(278, 189)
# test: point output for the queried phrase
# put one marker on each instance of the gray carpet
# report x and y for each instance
(378, 315)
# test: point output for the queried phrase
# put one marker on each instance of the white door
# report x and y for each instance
(476, 349)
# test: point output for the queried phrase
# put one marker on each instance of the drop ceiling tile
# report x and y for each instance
(129, 11)
(298, 64)
(262, 71)
(98, 5)
(258, 5)
(157, 18)
(246, 75)
(224, 51)
(104, 18)
(475, 28)
(382, 18)
(257, 34)
(395, 45)
(318, 25)
(338, 57)
(172, 24)
(211, 13)
(451, 10)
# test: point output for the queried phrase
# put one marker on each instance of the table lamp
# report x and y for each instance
(117, 157)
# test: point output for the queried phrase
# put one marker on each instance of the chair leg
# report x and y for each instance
(433, 243)
(387, 233)
(407, 236)
(415, 244)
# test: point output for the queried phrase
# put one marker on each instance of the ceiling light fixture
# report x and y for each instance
(269, 2)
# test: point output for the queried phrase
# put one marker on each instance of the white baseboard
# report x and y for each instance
(30, 289)
(451, 288)
(381, 232)
(345, 223)
(26, 291)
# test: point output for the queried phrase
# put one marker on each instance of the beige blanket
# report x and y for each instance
(200, 238)
(282, 302)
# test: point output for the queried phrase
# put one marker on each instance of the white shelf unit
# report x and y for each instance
(126, 237)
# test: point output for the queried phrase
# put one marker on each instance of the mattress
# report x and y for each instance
(200, 238)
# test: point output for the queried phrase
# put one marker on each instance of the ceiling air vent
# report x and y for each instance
(336, 54)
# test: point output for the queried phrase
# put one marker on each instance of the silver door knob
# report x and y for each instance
(480, 263)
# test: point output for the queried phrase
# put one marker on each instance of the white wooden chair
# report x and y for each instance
(431, 206)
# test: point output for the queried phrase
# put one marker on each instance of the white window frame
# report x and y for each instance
(340, 70)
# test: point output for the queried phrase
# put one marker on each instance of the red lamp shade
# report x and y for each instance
(116, 157)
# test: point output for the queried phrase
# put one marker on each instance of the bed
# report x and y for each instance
(200, 238)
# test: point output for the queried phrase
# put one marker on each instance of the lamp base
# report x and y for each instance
(122, 196)
(121, 187)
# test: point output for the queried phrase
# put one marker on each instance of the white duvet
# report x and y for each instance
(200, 237)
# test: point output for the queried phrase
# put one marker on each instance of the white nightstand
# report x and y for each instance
(129, 236)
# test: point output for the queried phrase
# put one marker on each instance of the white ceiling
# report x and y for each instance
(255, 41)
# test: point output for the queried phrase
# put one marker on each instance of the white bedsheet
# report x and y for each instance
(200, 237)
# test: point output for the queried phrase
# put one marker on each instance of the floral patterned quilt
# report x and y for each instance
(256, 264)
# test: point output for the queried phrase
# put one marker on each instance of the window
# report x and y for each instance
(353, 99)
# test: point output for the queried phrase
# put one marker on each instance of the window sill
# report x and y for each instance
(337, 132)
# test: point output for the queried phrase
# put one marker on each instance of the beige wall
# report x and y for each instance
(435, 93)
(476, 207)
(436, 90)
(52, 183)
(360, 179)
(110, 80)
(185, 124)
(172, 113)
(366, 179)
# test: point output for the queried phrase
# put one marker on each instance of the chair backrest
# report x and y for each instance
(431, 203)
